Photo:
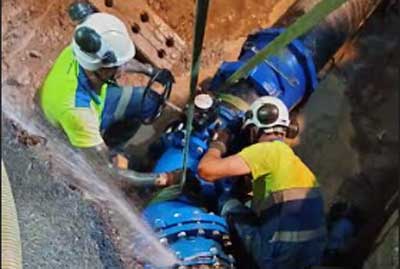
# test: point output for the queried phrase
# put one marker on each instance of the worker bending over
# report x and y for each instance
(80, 94)
(285, 226)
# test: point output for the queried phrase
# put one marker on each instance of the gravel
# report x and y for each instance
(58, 228)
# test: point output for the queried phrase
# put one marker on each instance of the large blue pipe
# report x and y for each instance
(292, 74)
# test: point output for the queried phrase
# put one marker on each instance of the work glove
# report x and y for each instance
(220, 140)
(169, 178)
(192, 185)
(164, 76)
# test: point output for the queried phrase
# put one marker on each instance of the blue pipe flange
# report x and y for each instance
(196, 236)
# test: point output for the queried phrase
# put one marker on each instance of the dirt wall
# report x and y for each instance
(351, 128)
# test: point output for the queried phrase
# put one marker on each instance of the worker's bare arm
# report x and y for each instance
(135, 66)
(212, 167)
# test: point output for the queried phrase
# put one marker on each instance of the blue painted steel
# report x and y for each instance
(194, 235)
(174, 142)
(201, 251)
(172, 159)
(290, 75)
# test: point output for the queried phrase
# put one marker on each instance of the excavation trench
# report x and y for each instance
(349, 139)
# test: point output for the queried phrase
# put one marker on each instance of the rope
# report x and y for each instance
(199, 28)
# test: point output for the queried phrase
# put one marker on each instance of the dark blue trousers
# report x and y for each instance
(290, 235)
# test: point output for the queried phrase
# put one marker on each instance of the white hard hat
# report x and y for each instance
(108, 36)
(267, 113)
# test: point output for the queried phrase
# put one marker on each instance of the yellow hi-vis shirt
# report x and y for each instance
(68, 101)
(275, 167)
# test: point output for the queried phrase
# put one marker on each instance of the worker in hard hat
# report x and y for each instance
(284, 228)
(80, 94)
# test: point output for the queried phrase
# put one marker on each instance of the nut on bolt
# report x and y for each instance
(181, 234)
(164, 241)
(214, 251)
(199, 150)
(216, 233)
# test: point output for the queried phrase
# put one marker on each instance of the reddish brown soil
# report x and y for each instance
(228, 23)
(227, 20)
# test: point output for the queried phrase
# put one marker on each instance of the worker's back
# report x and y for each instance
(68, 101)
(275, 167)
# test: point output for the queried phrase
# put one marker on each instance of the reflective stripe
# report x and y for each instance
(297, 236)
(123, 102)
(289, 195)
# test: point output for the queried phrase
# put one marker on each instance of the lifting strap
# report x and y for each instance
(199, 28)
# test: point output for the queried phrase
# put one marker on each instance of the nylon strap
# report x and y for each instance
(298, 28)
(199, 28)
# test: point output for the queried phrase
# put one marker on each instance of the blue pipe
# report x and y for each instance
(291, 75)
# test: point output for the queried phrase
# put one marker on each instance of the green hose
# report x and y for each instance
(11, 256)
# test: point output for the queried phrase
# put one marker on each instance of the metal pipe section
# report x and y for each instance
(327, 37)
(291, 75)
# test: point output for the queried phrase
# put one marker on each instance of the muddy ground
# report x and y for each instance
(350, 138)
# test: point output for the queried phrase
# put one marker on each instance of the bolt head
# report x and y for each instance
(216, 233)
(227, 244)
(181, 234)
(199, 150)
(164, 241)
(214, 251)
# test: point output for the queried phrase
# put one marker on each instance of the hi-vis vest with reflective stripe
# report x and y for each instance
(68, 101)
(275, 167)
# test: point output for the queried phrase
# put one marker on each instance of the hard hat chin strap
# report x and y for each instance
(275, 129)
